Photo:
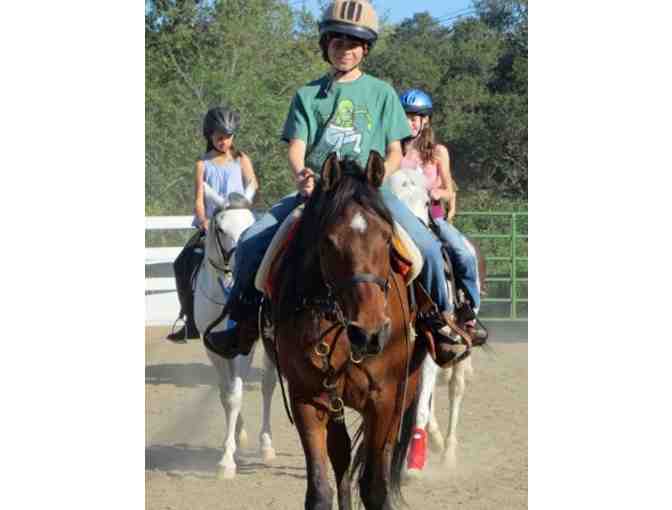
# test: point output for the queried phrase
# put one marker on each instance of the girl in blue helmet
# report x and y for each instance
(423, 153)
(350, 113)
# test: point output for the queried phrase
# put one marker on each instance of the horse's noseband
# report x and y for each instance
(384, 284)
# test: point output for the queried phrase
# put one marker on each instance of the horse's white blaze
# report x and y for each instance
(358, 223)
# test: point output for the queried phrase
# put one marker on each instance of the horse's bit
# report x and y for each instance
(331, 310)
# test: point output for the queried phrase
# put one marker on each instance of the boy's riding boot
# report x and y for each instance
(240, 338)
(472, 326)
(450, 342)
(445, 329)
(236, 340)
(478, 334)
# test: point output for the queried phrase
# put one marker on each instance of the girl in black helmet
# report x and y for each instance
(225, 170)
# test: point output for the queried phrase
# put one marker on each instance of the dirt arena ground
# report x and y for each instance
(184, 431)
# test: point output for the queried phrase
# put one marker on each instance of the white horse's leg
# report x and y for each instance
(417, 454)
(243, 365)
(434, 433)
(456, 391)
(232, 401)
(446, 376)
(269, 381)
(230, 395)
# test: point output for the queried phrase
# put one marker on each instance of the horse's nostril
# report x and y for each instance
(384, 334)
(358, 337)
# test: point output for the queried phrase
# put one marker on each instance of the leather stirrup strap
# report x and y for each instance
(427, 306)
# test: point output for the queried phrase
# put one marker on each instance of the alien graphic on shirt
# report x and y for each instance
(342, 134)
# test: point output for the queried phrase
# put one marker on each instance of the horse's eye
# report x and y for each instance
(332, 241)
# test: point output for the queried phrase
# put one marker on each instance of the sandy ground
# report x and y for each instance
(184, 431)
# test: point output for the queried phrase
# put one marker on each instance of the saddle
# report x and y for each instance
(406, 257)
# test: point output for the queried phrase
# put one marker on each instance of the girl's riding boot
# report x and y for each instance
(185, 268)
(189, 330)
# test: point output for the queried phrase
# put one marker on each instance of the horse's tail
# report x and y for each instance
(401, 450)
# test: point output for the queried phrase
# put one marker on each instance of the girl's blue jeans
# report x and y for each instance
(463, 257)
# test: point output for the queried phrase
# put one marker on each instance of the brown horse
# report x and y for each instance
(343, 337)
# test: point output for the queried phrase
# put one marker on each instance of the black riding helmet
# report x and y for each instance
(220, 119)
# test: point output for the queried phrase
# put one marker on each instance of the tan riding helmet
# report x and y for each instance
(356, 18)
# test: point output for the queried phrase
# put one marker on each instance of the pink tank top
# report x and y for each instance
(431, 172)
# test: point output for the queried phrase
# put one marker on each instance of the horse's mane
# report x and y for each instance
(238, 201)
(300, 272)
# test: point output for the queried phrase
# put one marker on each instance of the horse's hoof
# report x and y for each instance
(413, 474)
(226, 472)
(242, 439)
(267, 454)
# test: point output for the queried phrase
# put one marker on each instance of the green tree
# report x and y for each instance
(249, 54)
(254, 54)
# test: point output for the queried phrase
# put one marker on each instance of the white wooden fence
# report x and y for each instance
(161, 303)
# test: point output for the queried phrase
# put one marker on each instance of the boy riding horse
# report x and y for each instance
(352, 114)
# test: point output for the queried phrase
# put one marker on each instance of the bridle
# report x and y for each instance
(224, 254)
(358, 278)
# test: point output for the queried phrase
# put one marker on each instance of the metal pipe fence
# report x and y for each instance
(502, 245)
(502, 237)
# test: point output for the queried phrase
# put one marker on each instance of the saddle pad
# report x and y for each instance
(405, 246)
(402, 244)
(263, 280)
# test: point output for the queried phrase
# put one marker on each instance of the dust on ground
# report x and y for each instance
(184, 429)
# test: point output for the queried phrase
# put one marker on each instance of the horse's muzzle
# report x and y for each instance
(363, 342)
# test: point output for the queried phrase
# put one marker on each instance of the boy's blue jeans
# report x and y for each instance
(255, 240)
(253, 243)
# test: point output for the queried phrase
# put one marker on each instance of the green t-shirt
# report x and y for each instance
(351, 119)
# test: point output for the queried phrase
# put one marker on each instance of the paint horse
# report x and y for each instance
(212, 289)
(344, 337)
(409, 185)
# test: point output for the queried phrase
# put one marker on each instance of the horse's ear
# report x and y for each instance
(375, 169)
(331, 172)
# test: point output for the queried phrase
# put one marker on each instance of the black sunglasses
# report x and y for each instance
(343, 38)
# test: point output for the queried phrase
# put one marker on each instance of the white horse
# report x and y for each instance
(212, 289)
(410, 186)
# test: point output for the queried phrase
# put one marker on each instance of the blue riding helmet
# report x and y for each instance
(416, 101)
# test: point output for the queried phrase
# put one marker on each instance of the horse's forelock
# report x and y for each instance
(352, 187)
(324, 209)
(238, 201)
